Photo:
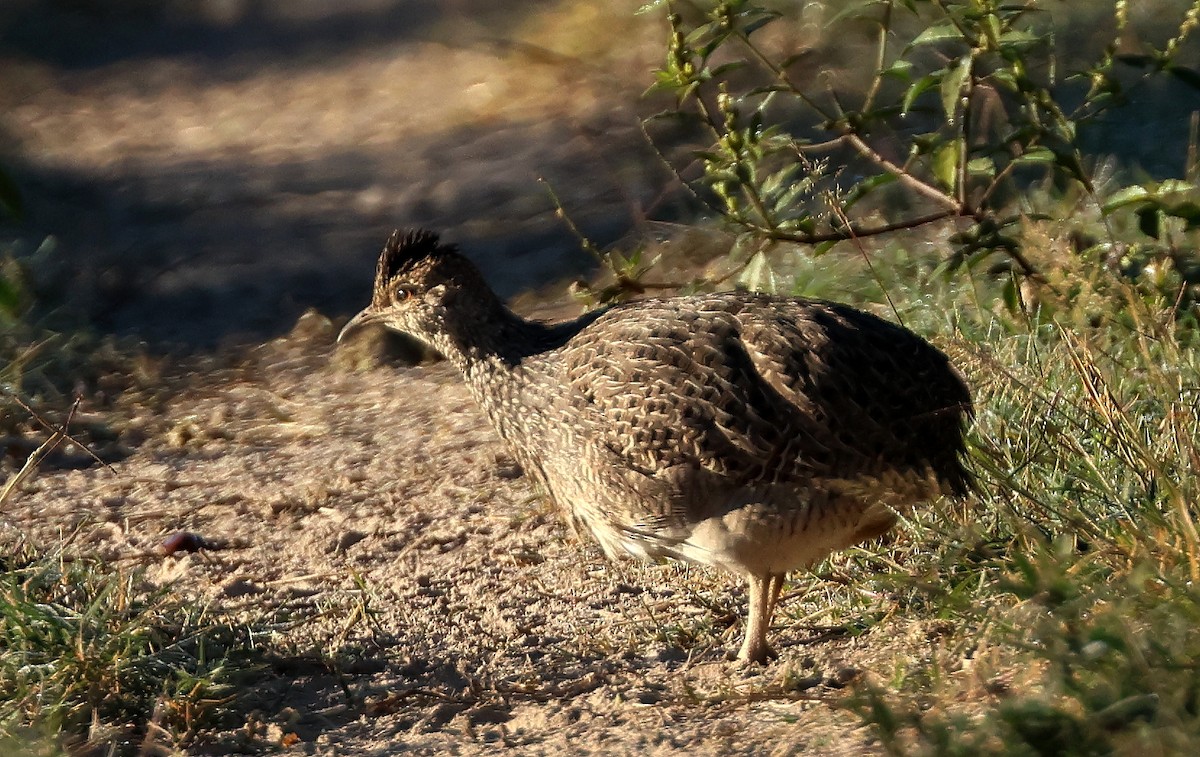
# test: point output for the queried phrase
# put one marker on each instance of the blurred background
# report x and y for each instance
(206, 170)
(211, 168)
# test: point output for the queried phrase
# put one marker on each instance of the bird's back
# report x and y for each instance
(672, 411)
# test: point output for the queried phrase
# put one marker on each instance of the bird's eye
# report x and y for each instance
(402, 293)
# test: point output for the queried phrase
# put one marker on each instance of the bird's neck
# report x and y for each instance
(493, 350)
(494, 340)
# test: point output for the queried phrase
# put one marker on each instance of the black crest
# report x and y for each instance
(406, 247)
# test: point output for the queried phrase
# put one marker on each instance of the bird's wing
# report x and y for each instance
(678, 408)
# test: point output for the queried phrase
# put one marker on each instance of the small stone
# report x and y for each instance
(666, 654)
(648, 696)
(288, 717)
(241, 587)
(844, 677)
(509, 470)
(182, 541)
(348, 539)
(791, 680)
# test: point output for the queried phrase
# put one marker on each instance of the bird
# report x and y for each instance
(747, 431)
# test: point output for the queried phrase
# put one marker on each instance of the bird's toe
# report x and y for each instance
(753, 654)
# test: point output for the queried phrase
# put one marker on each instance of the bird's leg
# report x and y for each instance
(758, 619)
(774, 589)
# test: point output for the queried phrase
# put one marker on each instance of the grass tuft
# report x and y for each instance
(90, 651)
(1071, 576)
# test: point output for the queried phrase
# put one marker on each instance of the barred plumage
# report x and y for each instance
(751, 432)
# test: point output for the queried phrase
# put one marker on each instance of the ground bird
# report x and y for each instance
(746, 431)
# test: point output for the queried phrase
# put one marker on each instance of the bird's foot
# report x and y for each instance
(753, 654)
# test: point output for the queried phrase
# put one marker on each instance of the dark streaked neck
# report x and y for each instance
(493, 348)
(489, 334)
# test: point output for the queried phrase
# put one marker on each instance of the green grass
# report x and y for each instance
(1069, 579)
(93, 657)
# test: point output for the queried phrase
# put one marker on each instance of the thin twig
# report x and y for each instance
(841, 214)
(37, 455)
(885, 25)
(853, 231)
(561, 212)
(50, 427)
(902, 175)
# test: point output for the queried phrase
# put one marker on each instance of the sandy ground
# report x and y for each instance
(376, 512)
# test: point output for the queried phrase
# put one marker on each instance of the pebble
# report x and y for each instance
(347, 539)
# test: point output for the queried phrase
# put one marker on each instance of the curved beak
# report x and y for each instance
(354, 324)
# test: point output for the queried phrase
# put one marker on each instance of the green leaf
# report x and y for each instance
(1123, 197)
(938, 33)
(1012, 295)
(725, 68)
(852, 10)
(1067, 159)
(1171, 186)
(804, 225)
(1188, 211)
(983, 166)
(823, 248)
(1018, 38)
(787, 206)
(766, 89)
(992, 22)
(1035, 155)
(925, 143)
(1006, 78)
(1154, 193)
(10, 298)
(952, 86)
(945, 164)
(780, 178)
(901, 69)
(758, 275)
(705, 31)
(865, 187)
(722, 174)
(918, 88)
(759, 23)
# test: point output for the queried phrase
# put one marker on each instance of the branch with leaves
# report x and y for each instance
(972, 101)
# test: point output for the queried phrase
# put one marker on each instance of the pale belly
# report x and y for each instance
(752, 538)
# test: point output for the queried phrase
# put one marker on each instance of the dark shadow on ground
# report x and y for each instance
(198, 253)
(87, 34)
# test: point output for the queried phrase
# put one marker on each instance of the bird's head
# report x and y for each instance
(418, 283)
